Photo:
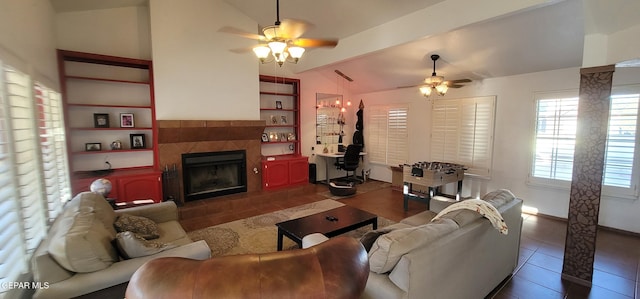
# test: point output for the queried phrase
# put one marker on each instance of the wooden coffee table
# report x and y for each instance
(329, 223)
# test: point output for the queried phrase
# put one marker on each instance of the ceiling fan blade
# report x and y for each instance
(242, 33)
(409, 86)
(460, 81)
(292, 29)
(454, 85)
(242, 50)
(311, 43)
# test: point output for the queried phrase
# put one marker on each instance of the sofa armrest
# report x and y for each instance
(158, 212)
(313, 240)
(117, 273)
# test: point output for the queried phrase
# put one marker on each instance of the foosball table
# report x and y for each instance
(431, 175)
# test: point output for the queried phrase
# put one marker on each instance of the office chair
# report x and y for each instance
(351, 161)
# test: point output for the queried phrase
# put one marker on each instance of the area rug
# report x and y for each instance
(259, 234)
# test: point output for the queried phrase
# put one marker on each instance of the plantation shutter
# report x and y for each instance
(21, 112)
(387, 140)
(462, 133)
(398, 136)
(621, 141)
(376, 141)
(52, 147)
(13, 261)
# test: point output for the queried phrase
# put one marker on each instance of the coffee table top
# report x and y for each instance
(346, 219)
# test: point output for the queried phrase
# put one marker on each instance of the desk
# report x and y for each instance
(328, 156)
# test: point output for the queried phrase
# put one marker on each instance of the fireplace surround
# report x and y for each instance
(177, 137)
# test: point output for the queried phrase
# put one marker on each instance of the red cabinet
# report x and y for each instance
(283, 171)
(127, 185)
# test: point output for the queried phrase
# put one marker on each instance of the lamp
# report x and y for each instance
(434, 82)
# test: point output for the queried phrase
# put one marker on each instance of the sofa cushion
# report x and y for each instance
(498, 197)
(419, 219)
(92, 202)
(132, 245)
(142, 226)
(80, 242)
(390, 247)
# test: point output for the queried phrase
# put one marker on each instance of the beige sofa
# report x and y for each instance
(461, 255)
(79, 254)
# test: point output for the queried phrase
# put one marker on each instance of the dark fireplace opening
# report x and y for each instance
(214, 174)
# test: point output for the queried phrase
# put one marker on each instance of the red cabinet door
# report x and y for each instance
(275, 174)
(143, 186)
(298, 171)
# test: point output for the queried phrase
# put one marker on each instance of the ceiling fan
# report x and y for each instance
(437, 83)
(282, 40)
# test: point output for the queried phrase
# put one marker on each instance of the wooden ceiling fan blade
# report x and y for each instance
(409, 86)
(314, 43)
(460, 81)
(292, 29)
(242, 33)
(454, 85)
(242, 50)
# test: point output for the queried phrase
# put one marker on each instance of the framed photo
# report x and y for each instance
(283, 119)
(93, 147)
(283, 136)
(100, 120)
(278, 104)
(274, 120)
(265, 137)
(137, 141)
(126, 120)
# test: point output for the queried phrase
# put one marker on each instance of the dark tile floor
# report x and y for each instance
(617, 261)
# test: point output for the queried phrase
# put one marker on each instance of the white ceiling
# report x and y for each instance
(544, 38)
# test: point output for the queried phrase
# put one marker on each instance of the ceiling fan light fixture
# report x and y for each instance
(262, 52)
(442, 89)
(434, 80)
(296, 52)
(425, 90)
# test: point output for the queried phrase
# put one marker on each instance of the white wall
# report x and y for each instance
(121, 32)
(514, 129)
(196, 74)
(27, 39)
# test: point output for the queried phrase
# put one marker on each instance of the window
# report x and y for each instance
(555, 138)
(35, 179)
(462, 133)
(388, 137)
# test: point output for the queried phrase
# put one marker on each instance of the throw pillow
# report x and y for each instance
(142, 226)
(131, 245)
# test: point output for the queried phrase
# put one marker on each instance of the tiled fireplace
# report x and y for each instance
(178, 137)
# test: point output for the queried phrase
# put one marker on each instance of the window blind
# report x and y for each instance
(52, 147)
(13, 261)
(462, 132)
(387, 139)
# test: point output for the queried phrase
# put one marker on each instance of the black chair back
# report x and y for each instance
(352, 157)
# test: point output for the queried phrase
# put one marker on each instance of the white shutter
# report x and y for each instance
(52, 146)
(13, 261)
(462, 132)
(21, 111)
(398, 136)
(376, 140)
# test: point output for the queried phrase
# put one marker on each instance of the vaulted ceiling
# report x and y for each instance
(546, 35)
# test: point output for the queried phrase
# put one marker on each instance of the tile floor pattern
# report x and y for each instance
(617, 261)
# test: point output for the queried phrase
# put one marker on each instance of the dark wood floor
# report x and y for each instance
(617, 262)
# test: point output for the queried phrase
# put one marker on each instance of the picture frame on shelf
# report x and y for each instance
(126, 120)
(283, 119)
(137, 141)
(265, 137)
(274, 120)
(283, 136)
(278, 104)
(100, 120)
(93, 147)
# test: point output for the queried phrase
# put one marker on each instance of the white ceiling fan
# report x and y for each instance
(282, 40)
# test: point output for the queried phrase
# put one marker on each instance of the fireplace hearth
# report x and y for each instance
(212, 174)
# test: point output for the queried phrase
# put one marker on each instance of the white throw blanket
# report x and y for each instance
(483, 208)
